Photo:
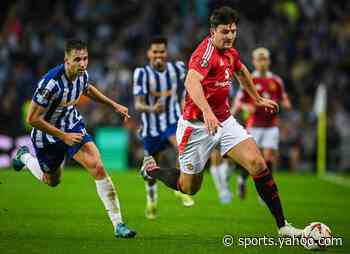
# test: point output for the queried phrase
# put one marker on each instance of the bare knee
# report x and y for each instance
(257, 165)
(53, 181)
(191, 185)
(190, 189)
(97, 170)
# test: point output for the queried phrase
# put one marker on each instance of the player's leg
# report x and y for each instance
(45, 167)
(242, 148)
(195, 147)
(186, 199)
(89, 157)
(219, 172)
(242, 182)
(248, 155)
(269, 146)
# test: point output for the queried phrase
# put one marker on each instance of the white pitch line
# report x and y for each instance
(339, 180)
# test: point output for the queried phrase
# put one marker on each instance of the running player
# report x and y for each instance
(59, 130)
(155, 90)
(261, 125)
(207, 122)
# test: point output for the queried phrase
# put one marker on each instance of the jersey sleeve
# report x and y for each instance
(86, 81)
(202, 60)
(46, 91)
(236, 60)
(139, 82)
(281, 90)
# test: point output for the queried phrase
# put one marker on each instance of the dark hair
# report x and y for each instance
(74, 44)
(159, 39)
(223, 16)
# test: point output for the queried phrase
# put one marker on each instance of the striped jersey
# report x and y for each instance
(58, 95)
(163, 86)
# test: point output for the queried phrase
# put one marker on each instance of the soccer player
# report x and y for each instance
(207, 123)
(59, 130)
(261, 125)
(155, 90)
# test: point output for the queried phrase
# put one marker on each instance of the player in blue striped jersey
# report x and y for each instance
(59, 130)
(156, 96)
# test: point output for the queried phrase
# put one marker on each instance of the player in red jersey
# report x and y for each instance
(207, 123)
(261, 125)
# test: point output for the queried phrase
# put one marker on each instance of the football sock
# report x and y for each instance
(169, 176)
(151, 190)
(225, 173)
(214, 171)
(108, 195)
(267, 189)
(33, 165)
(244, 173)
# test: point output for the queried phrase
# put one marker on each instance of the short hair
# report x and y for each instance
(74, 44)
(223, 16)
(159, 39)
(261, 52)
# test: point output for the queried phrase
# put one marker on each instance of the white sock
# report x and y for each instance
(214, 170)
(225, 174)
(108, 195)
(151, 191)
(33, 165)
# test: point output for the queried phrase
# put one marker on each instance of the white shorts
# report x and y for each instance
(195, 144)
(266, 137)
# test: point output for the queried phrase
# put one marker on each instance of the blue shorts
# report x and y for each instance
(51, 156)
(154, 145)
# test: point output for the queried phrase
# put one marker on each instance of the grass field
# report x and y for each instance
(70, 218)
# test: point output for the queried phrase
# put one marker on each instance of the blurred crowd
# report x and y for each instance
(309, 41)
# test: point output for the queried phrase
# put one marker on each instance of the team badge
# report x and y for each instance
(43, 95)
(189, 166)
(273, 86)
(204, 63)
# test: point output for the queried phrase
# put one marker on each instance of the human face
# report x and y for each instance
(261, 63)
(157, 55)
(76, 62)
(224, 36)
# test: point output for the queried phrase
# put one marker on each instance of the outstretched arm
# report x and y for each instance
(93, 93)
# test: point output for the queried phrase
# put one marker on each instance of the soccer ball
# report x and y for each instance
(316, 235)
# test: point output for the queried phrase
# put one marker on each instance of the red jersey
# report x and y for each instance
(271, 87)
(217, 67)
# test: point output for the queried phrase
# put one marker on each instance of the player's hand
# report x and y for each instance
(270, 105)
(158, 107)
(72, 138)
(211, 122)
(122, 110)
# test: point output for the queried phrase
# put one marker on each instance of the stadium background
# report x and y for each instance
(309, 41)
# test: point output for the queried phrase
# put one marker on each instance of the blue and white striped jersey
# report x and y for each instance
(58, 95)
(154, 85)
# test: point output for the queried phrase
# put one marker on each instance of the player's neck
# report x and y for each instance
(262, 73)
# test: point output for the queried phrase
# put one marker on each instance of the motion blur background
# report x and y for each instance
(309, 41)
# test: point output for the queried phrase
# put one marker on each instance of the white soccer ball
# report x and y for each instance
(316, 235)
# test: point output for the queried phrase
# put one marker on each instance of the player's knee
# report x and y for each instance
(98, 170)
(257, 165)
(53, 182)
(190, 189)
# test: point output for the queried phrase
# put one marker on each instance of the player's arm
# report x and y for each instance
(142, 106)
(195, 90)
(36, 119)
(93, 93)
(244, 77)
(285, 102)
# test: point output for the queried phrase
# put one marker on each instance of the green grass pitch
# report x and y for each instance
(35, 218)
